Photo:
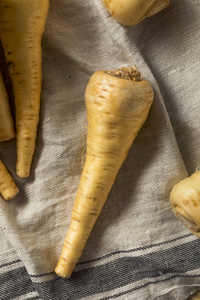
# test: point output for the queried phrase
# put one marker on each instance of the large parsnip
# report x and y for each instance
(22, 24)
(117, 105)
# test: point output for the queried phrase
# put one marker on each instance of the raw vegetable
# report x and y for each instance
(7, 131)
(22, 24)
(8, 188)
(131, 12)
(118, 104)
(185, 201)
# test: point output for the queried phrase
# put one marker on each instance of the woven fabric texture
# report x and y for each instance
(137, 249)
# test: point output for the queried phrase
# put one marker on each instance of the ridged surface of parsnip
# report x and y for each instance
(185, 201)
(8, 189)
(117, 105)
(131, 12)
(7, 131)
(22, 24)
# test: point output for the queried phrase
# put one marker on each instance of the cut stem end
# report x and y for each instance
(130, 73)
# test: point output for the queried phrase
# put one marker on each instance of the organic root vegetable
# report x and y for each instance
(185, 201)
(22, 24)
(118, 104)
(8, 188)
(7, 131)
(131, 12)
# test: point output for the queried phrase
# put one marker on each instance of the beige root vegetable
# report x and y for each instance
(22, 24)
(131, 12)
(118, 104)
(185, 201)
(8, 189)
(7, 131)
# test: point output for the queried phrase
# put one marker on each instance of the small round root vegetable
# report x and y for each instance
(131, 12)
(22, 24)
(8, 188)
(185, 201)
(118, 104)
(7, 131)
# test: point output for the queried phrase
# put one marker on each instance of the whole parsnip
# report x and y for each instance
(117, 105)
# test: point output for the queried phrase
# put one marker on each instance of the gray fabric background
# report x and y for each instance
(81, 38)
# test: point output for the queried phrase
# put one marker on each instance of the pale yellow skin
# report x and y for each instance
(8, 189)
(131, 12)
(185, 201)
(116, 110)
(7, 131)
(22, 24)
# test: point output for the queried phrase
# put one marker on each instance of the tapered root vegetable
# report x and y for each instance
(8, 189)
(7, 131)
(118, 104)
(22, 24)
(131, 12)
(185, 201)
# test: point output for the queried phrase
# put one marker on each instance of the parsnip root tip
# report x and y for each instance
(60, 271)
(8, 188)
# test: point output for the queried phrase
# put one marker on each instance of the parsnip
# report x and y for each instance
(7, 131)
(118, 104)
(131, 12)
(8, 189)
(22, 23)
(185, 201)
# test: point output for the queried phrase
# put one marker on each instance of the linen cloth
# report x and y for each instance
(137, 249)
